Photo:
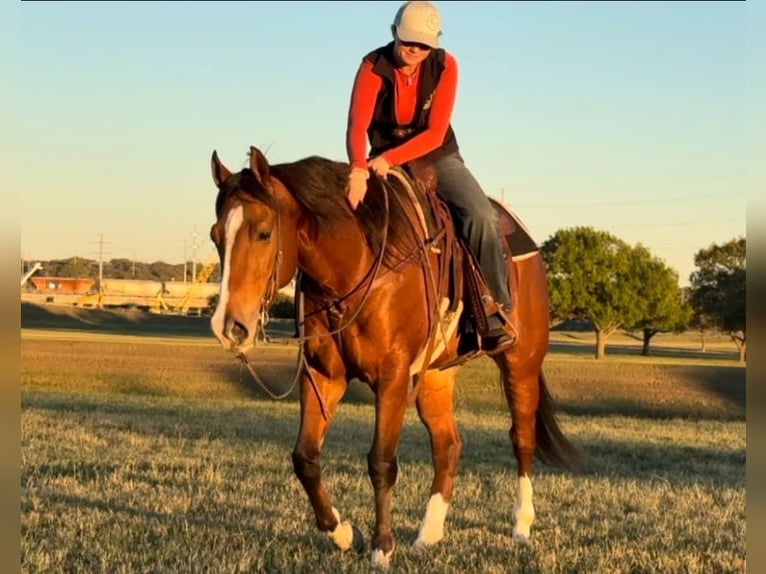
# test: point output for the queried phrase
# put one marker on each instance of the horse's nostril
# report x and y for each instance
(236, 332)
(239, 332)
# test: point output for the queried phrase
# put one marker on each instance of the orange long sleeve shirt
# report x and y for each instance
(366, 87)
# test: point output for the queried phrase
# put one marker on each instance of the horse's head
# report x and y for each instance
(246, 234)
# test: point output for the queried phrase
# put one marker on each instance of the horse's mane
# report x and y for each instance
(319, 186)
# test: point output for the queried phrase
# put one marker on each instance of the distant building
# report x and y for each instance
(63, 285)
(166, 296)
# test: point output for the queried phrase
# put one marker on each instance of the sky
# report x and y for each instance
(628, 117)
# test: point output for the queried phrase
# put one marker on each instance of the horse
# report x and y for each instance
(367, 314)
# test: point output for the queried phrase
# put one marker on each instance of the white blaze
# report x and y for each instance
(233, 223)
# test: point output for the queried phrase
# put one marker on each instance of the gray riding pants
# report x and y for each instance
(475, 221)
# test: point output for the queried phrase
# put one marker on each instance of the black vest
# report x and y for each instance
(384, 133)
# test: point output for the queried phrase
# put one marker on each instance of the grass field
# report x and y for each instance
(144, 449)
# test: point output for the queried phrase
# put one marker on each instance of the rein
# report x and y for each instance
(300, 366)
(371, 279)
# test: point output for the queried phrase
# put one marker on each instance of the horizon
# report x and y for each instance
(625, 117)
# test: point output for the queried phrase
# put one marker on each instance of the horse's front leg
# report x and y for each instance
(307, 452)
(390, 408)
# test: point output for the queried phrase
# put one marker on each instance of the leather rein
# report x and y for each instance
(368, 283)
(371, 280)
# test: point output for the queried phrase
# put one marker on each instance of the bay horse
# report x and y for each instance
(367, 316)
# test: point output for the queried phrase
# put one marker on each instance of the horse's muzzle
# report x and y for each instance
(234, 333)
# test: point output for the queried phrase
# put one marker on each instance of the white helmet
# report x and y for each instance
(418, 22)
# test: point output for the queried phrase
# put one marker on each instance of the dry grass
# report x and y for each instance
(151, 454)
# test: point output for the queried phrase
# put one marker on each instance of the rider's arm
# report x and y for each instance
(363, 96)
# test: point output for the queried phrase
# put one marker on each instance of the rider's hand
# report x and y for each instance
(357, 185)
(379, 165)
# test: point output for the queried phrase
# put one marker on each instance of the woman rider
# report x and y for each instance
(402, 103)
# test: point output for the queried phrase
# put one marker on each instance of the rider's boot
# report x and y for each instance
(501, 334)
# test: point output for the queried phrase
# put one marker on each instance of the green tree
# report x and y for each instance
(591, 276)
(119, 269)
(71, 267)
(718, 290)
(663, 308)
(161, 271)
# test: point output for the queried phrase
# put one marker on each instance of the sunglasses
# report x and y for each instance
(418, 45)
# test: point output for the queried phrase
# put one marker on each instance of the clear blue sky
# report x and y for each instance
(627, 117)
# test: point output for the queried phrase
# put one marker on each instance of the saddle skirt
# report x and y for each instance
(457, 283)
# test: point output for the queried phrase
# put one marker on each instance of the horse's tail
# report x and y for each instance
(553, 447)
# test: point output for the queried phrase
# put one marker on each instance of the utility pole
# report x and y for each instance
(186, 258)
(502, 195)
(194, 235)
(101, 267)
(101, 260)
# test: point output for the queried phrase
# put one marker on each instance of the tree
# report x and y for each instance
(718, 290)
(119, 269)
(161, 271)
(591, 276)
(663, 305)
(72, 267)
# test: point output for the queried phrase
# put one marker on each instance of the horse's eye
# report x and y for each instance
(263, 236)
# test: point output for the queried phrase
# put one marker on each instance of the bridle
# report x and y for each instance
(367, 284)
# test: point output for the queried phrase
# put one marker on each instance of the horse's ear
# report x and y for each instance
(220, 171)
(259, 166)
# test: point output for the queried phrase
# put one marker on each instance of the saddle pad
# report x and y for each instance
(517, 236)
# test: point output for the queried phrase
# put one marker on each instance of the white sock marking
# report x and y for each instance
(523, 511)
(432, 528)
(343, 535)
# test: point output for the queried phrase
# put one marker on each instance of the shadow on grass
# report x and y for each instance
(694, 392)
(578, 348)
(139, 526)
(128, 322)
(278, 374)
(702, 393)
(484, 450)
(112, 322)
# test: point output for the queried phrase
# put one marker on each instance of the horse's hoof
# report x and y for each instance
(380, 559)
(521, 537)
(424, 543)
(357, 540)
(343, 535)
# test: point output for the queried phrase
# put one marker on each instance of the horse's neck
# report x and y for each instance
(336, 263)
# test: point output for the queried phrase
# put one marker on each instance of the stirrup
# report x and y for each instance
(498, 341)
(502, 338)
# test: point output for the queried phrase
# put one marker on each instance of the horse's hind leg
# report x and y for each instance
(306, 457)
(435, 408)
(520, 383)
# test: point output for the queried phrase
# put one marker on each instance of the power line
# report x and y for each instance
(689, 223)
(622, 203)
